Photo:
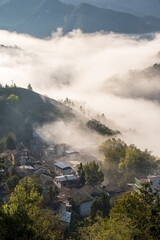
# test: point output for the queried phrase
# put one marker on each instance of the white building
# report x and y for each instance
(62, 168)
(65, 181)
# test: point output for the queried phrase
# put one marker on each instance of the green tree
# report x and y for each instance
(136, 216)
(101, 205)
(81, 174)
(93, 176)
(113, 149)
(29, 87)
(52, 196)
(128, 161)
(24, 210)
(3, 144)
(11, 141)
(12, 182)
(12, 98)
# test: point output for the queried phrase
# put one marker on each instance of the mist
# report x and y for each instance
(112, 73)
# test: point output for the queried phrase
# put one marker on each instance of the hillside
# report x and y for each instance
(107, 20)
(20, 116)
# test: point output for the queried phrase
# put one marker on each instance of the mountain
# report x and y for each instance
(137, 7)
(41, 17)
(91, 19)
(38, 17)
(29, 108)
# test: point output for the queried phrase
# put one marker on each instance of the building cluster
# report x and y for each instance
(57, 166)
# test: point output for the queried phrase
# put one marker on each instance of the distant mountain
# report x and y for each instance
(41, 17)
(38, 17)
(136, 7)
(91, 19)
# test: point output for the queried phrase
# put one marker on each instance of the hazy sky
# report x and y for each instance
(94, 68)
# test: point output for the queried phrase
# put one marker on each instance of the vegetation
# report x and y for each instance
(100, 206)
(21, 109)
(128, 161)
(135, 216)
(12, 182)
(23, 218)
(81, 174)
(100, 128)
(29, 87)
(90, 174)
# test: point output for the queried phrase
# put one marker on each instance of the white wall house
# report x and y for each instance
(62, 168)
(65, 181)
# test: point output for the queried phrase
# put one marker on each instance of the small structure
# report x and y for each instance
(46, 180)
(151, 178)
(25, 152)
(70, 151)
(3, 158)
(25, 170)
(66, 218)
(42, 170)
(82, 198)
(62, 168)
(23, 160)
(113, 190)
(65, 181)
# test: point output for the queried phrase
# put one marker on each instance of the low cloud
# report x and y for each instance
(109, 71)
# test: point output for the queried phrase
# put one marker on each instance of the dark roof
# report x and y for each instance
(111, 188)
(80, 195)
(62, 165)
(45, 179)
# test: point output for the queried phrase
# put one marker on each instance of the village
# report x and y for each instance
(56, 167)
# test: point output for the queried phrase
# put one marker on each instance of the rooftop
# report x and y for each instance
(66, 178)
(80, 195)
(62, 165)
(66, 217)
(26, 167)
(71, 151)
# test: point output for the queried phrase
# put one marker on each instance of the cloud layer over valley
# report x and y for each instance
(112, 73)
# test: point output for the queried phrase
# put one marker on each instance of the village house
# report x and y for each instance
(81, 198)
(25, 170)
(151, 178)
(46, 180)
(42, 170)
(3, 158)
(24, 160)
(113, 190)
(65, 181)
(62, 168)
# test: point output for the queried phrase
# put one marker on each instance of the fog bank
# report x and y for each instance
(108, 71)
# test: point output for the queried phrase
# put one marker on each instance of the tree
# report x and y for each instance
(129, 161)
(24, 209)
(52, 196)
(81, 174)
(29, 87)
(11, 141)
(93, 176)
(12, 98)
(136, 216)
(101, 205)
(3, 144)
(113, 149)
(12, 182)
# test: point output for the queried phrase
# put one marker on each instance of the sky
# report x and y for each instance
(107, 71)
